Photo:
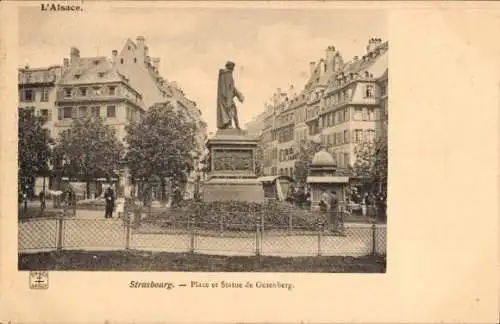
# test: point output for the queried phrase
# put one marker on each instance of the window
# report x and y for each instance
(365, 114)
(346, 137)
(82, 112)
(369, 91)
(371, 114)
(97, 91)
(111, 111)
(96, 111)
(67, 112)
(358, 135)
(135, 60)
(121, 60)
(83, 92)
(112, 91)
(358, 114)
(67, 93)
(45, 94)
(28, 95)
(129, 113)
(370, 135)
(346, 160)
(346, 114)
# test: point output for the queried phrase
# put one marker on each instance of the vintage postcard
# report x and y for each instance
(209, 153)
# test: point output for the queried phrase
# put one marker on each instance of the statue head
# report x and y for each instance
(230, 65)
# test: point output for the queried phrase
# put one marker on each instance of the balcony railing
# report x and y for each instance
(37, 78)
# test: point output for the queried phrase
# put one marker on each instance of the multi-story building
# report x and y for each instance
(94, 86)
(341, 105)
(119, 90)
(136, 64)
(37, 91)
(350, 111)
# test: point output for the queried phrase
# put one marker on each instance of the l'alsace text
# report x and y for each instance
(59, 7)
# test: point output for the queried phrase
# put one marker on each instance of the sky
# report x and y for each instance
(272, 47)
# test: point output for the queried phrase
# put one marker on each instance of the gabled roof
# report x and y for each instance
(90, 70)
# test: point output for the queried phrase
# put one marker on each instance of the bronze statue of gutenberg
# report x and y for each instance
(226, 108)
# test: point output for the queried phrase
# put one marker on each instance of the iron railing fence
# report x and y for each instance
(234, 233)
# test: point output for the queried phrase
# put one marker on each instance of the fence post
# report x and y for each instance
(192, 234)
(60, 224)
(257, 236)
(221, 224)
(128, 225)
(320, 234)
(374, 239)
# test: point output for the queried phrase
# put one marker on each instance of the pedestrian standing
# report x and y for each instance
(41, 196)
(334, 213)
(109, 196)
(371, 209)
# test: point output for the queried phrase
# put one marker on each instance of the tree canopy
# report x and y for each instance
(162, 144)
(89, 149)
(371, 163)
(304, 153)
(34, 149)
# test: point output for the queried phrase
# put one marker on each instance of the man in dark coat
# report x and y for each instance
(109, 196)
(226, 91)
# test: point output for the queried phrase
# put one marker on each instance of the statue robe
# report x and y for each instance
(226, 91)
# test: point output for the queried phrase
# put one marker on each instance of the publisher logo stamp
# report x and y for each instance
(39, 280)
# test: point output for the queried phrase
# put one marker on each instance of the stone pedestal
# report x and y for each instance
(232, 175)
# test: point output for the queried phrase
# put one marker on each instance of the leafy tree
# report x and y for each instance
(90, 150)
(34, 149)
(304, 153)
(259, 157)
(371, 164)
(161, 145)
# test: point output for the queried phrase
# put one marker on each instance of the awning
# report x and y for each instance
(327, 179)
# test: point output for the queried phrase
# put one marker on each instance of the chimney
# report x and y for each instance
(330, 54)
(373, 43)
(312, 65)
(356, 58)
(114, 55)
(140, 41)
(74, 56)
(156, 63)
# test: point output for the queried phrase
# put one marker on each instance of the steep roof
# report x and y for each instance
(87, 70)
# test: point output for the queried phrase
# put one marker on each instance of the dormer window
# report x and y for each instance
(83, 92)
(67, 93)
(369, 91)
(112, 91)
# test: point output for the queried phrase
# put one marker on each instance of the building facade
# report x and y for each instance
(93, 86)
(118, 89)
(342, 105)
(37, 91)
